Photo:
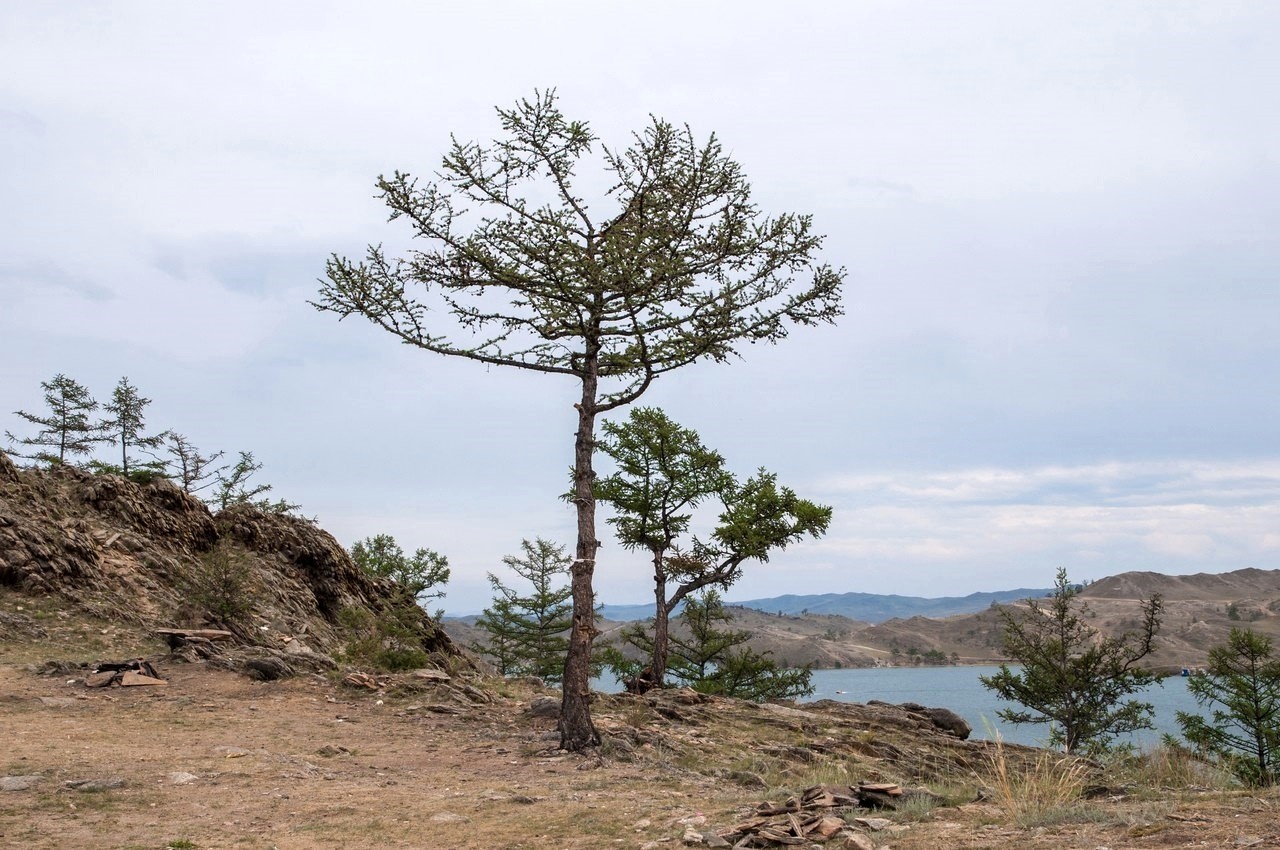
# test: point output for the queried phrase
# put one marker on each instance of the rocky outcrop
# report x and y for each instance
(944, 718)
(137, 553)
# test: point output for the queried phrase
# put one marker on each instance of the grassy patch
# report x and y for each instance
(1044, 792)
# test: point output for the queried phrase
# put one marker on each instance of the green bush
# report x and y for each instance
(221, 585)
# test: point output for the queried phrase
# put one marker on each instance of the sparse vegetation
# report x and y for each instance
(712, 660)
(384, 641)
(221, 587)
(663, 473)
(526, 632)
(1044, 792)
(66, 430)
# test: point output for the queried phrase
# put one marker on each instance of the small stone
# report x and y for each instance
(18, 783)
(544, 707)
(57, 702)
(643, 823)
(712, 839)
(852, 841)
(230, 752)
(692, 837)
(432, 675)
(449, 817)
(180, 777)
(89, 785)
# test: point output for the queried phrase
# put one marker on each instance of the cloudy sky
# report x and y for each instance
(1062, 334)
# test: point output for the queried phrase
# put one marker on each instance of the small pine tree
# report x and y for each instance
(234, 488)
(66, 430)
(1243, 678)
(530, 630)
(1071, 676)
(718, 661)
(126, 424)
(504, 629)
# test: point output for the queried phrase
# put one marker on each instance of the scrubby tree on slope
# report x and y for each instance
(517, 269)
(421, 575)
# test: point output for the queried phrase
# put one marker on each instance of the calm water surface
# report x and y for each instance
(958, 689)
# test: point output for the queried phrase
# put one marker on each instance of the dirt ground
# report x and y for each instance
(216, 760)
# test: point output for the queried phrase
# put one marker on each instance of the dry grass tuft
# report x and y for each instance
(1042, 792)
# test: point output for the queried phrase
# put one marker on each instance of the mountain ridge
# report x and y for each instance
(867, 607)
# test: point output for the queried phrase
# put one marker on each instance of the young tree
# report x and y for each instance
(126, 423)
(1071, 676)
(234, 488)
(683, 268)
(421, 575)
(184, 464)
(1243, 679)
(717, 661)
(504, 627)
(527, 632)
(663, 472)
(66, 430)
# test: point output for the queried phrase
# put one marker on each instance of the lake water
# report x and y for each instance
(958, 689)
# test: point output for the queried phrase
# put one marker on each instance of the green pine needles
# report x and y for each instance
(1071, 676)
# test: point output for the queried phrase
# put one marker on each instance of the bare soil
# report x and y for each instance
(216, 760)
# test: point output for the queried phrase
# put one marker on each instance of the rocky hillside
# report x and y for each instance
(151, 556)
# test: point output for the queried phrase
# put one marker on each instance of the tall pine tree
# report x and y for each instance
(516, 268)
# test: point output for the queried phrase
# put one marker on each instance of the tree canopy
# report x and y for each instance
(663, 473)
(65, 430)
(1071, 676)
(1241, 683)
(421, 575)
(516, 267)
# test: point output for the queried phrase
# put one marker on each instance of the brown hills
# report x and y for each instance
(1199, 612)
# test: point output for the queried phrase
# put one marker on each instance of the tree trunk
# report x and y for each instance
(577, 732)
(661, 624)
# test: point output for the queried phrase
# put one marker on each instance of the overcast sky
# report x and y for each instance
(1062, 334)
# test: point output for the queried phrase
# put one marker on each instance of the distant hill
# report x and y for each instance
(1199, 612)
(1203, 587)
(868, 607)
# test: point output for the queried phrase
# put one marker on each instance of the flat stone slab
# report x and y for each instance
(19, 783)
